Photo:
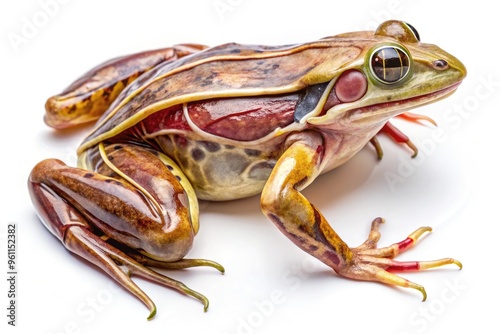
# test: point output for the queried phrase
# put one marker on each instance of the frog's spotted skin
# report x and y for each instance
(219, 172)
(225, 123)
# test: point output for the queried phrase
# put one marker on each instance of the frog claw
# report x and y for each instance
(378, 148)
(121, 267)
(377, 264)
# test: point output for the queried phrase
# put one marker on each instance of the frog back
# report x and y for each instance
(227, 71)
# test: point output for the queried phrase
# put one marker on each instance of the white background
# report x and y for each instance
(452, 186)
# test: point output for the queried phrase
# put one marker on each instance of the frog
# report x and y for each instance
(182, 124)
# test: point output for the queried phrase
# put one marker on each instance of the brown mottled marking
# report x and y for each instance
(252, 152)
(197, 154)
(210, 146)
(261, 171)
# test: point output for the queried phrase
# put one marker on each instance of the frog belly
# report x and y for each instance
(229, 175)
(219, 172)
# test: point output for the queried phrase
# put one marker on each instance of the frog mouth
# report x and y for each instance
(386, 110)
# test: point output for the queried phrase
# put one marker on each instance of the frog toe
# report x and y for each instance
(180, 264)
(369, 247)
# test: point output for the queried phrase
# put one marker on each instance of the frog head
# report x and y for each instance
(394, 72)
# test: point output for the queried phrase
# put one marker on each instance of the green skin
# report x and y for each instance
(132, 203)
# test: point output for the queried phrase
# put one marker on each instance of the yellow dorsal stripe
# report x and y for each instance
(115, 169)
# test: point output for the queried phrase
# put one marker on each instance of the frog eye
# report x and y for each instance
(417, 36)
(390, 64)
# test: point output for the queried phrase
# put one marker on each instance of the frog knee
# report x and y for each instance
(168, 247)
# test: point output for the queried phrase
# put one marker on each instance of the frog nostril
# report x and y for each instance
(440, 64)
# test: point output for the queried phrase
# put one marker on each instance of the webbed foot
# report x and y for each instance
(376, 264)
(121, 266)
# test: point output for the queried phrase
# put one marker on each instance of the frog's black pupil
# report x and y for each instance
(390, 64)
(414, 31)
